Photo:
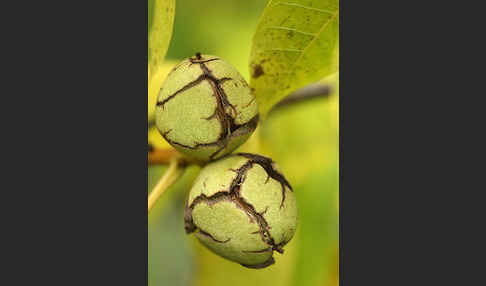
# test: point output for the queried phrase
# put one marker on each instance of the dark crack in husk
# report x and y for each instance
(267, 164)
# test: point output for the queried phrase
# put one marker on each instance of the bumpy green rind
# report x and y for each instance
(238, 210)
(205, 108)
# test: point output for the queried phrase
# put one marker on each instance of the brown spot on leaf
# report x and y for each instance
(257, 71)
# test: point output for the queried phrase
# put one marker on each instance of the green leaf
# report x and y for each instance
(295, 44)
(160, 25)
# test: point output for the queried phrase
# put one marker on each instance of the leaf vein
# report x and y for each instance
(291, 29)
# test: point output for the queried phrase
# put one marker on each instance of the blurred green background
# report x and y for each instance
(302, 139)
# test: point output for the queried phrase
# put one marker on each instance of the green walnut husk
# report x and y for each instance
(242, 208)
(205, 108)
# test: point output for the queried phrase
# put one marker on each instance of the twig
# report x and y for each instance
(306, 93)
(161, 156)
(170, 176)
(158, 156)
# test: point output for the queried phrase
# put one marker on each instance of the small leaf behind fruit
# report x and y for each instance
(160, 25)
(295, 44)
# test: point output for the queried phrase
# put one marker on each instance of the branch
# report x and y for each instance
(311, 91)
(157, 156)
(161, 156)
(171, 175)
